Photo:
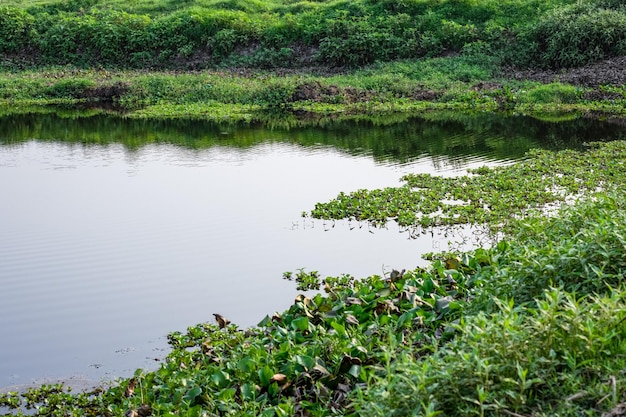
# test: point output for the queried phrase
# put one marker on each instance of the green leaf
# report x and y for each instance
(220, 379)
(267, 320)
(339, 328)
(301, 323)
(428, 286)
(246, 364)
(273, 389)
(404, 317)
(355, 370)
(307, 362)
(442, 303)
(191, 394)
(227, 394)
(248, 392)
(265, 375)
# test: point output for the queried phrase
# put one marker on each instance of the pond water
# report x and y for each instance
(116, 232)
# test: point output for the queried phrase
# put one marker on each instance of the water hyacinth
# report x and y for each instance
(494, 196)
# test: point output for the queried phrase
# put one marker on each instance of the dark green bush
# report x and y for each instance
(554, 34)
(15, 27)
(577, 35)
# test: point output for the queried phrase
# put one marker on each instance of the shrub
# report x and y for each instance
(581, 250)
(15, 27)
(69, 88)
(562, 358)
(576, 35)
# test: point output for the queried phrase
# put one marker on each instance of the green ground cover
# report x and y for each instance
(383, 91)
(229, 59)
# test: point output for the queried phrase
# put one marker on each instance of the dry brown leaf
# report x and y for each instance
(221, 320)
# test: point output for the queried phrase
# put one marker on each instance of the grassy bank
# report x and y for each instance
(228, 60)
(453, 83)
(533, 325)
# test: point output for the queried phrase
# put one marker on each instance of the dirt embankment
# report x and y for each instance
(607, 72)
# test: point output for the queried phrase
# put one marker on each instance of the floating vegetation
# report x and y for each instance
(305, 361)
(494, 196)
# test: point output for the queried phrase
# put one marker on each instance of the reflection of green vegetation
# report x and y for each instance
(447, 134)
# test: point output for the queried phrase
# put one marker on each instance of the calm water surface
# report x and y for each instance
(116, 232)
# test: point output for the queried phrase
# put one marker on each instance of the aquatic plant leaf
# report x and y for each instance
(319, 372)
(350, 319)
(130, 388)
(265, 322)
(248, 391)
(193, 393)
(404, 317)
(246, 364)
(280, 379)
(442, 303)
(355, 371)
(307, 362)
(301, 323)
(339, 328)
(428, 286)
(220, 379)
(265, 375)
(347, 362)
(353, 300)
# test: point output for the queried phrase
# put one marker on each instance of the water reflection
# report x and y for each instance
(448, 135)
(117, 231)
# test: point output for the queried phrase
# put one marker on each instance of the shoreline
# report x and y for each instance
(266, 96)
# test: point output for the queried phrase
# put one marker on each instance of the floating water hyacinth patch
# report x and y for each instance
(494, 196)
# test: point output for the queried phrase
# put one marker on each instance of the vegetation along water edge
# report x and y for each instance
(533, 325)
(227, 60)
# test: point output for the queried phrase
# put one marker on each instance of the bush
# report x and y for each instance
(581, 250)
(69, 88)
(15, 27)
(563, 358)
(577, 35)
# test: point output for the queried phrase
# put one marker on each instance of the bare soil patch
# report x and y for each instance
(606, 72)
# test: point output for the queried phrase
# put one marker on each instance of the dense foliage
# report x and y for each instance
(544, 334)
(209, 33)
